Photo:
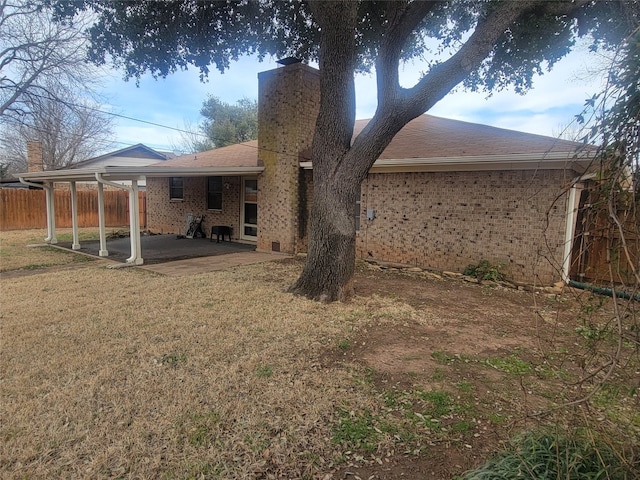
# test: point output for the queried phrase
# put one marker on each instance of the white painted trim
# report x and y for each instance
(134, 218)
(74, 217)
(101, 222)
(112, 173)
(570, 227)
(242, 236)
(573, 204)
(519, 161)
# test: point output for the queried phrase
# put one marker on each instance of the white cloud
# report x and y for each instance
(554, 99)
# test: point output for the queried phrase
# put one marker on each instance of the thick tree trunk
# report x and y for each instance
(339, 166)
(328, 271)
(331, 256)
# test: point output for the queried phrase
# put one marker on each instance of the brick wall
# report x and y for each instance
(35, 161)
(288, 99)
(170, 216)
(448, 220)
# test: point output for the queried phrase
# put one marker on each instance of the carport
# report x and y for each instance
(125, 178)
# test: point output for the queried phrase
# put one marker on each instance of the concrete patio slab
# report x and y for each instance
(173, 256)
(192, 266)
(161, 248)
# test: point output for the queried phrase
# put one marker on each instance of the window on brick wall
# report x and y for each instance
(357, 208)
(214, 193)
(176, 188)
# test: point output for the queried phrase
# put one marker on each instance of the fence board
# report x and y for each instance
(22, 209)
(599, 256)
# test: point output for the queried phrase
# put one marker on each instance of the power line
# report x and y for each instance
(147, 122)
(144, 121)
(71, 104)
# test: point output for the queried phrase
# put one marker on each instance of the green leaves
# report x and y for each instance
(227, 124)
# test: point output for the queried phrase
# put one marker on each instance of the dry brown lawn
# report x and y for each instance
(121, 373)
(15, 253)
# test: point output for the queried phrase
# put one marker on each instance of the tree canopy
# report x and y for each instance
(482, 44)
(226, 124)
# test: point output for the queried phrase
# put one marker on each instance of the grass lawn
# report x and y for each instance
(122, 373)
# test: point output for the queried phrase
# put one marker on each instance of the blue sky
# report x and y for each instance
(556, 97)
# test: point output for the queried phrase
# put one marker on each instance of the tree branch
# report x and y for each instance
(399, 105)
(406, 18)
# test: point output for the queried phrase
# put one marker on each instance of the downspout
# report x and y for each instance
(134, 218)
(51, 215)
(103, 252)
(74, 217)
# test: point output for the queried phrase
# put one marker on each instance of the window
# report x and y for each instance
(176, 188)
(214, 193)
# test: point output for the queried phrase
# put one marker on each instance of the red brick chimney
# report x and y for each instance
(34, 157)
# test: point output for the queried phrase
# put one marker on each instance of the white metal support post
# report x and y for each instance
(134, 221)
(51, 214)
(101, 222)
(74, 217)
(134, 218)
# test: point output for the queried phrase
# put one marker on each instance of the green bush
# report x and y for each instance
(485, 271)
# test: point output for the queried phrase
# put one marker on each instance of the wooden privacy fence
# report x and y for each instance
(599, 253)
(22, 209)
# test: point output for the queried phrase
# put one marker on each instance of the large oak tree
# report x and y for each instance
(481, 43)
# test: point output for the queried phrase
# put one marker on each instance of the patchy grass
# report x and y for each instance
(125, 373)
(16, 254)
(128, 374)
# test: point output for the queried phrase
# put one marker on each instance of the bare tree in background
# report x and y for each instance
(192, 139)
(68, 135)
(46, 88)
(37, 54)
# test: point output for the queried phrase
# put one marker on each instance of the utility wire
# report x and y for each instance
(95, 109)
(71, 104)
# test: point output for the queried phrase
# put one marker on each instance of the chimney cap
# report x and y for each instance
(288, 61)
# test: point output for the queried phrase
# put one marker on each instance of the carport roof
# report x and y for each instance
(135, 173)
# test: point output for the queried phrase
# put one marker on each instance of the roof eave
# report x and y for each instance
(135, 173)
(550, 161)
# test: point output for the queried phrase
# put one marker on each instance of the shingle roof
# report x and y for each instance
(140, 149)
(238, 155)
(424, 137)
(428, 137)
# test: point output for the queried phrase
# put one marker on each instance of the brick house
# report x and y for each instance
(443, 195)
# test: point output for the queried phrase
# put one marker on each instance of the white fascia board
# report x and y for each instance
(134, 173)
(551, 161)
(70, 175)
(200, 171)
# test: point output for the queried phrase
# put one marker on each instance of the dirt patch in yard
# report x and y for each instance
(122, 373)
(495, 350)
